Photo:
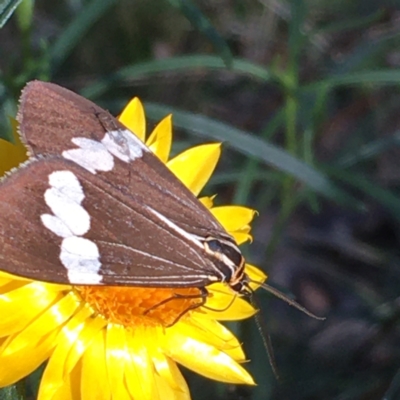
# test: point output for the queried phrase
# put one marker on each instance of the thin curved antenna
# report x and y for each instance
(266, 339)
(262, 329)
(286, 299)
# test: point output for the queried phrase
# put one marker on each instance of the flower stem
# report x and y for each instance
(288, 198)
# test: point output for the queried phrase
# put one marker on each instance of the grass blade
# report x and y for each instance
(250, 145)
(386, 198)
(381, 77)
(203, 24)
(7, 7)
(76, 30)
(189, 63)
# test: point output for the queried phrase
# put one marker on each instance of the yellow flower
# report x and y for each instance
(103, 342)
(11, 155)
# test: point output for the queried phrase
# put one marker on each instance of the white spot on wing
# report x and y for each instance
(55, 225)
(67, 184)
(91, 155)
(136, 147)
(123, 144)
(94, 155)
(117, 145)
(72, 214)
(81, 257)
(64, 199)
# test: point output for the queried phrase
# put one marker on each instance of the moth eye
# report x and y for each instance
(214, 245)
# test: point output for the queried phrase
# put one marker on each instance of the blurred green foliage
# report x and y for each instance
(305, 97)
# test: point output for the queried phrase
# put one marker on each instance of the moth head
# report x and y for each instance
(228, 256)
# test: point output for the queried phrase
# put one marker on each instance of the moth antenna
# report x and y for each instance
(280, 295)
(265, 337)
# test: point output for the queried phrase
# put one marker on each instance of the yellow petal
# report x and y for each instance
(14, 310)
(140, 371)
(212, 332)
(85, 337)
(6, 276)
(12, 154)
(48, 321)
(233, 218)
(241, 237)
(195, 166)
(204, 359)
(70, 389)
(255, 273)
(160, 139)
(8, 286)
(207, 201)
(170, 393)
(19, 364)
(256, 276)
(134, 119)
(224, 305)
(54, 376)
(64, 392)
(94, 383)
(116, 356)
(170, 375)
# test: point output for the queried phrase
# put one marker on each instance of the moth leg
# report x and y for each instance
(202, 295)
(225, 308)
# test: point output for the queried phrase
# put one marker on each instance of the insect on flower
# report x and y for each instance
(124, 270)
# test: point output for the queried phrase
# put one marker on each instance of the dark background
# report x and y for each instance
(276, 81)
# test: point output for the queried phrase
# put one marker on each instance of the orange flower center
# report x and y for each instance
(130, 306)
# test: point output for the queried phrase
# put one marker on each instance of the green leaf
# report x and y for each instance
(381, 77)
(7, 7)
(251, 168)
(298, 11)
(14, 392)
(369, 150)
(365, 53)
(203, 24)
(77, 29)
(393, 393)
(24, 15)
(348, 24)
(249, 144)
(386, 198)
(175, 64)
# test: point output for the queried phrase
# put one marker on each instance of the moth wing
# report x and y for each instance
(48, 111)
(61, 224)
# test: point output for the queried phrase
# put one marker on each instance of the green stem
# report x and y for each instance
(24, 16)
(250, 170)
(288, 198)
